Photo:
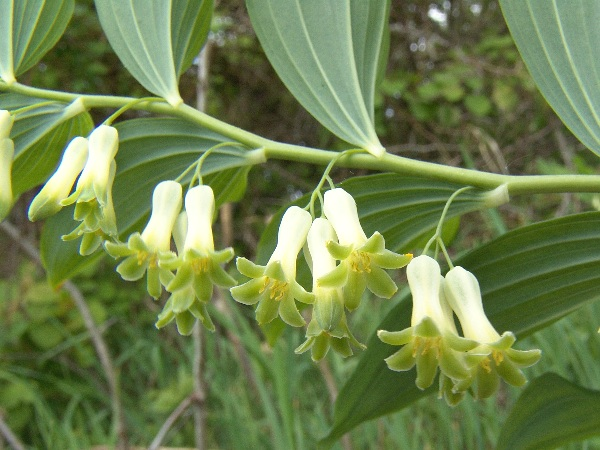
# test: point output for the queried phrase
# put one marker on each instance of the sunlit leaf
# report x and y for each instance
(551, 412)
(529, 278)
(558, 41)
(141, 37)
(29, 28)
(40, 135)
(327, 54)
(190, 23)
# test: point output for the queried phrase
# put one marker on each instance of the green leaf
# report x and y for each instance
(559, 44)
(529, 278)
(151, 150)
(192, 23)
(40, 135)
(328, 56)
(29, 28)
(140, 35)
(551, 412)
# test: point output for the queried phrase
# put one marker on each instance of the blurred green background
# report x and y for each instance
(455, 92)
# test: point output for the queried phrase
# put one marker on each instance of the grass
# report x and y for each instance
(257, 397)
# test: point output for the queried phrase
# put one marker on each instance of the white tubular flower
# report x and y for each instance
(431, 340)
(199, 265)
(6, 123)
(92, 184)
(166, 205)
(274, 286)
(362, 259)
(57, 188)
(328, 327)
(464, 296)
(7, 153)
(144, 252)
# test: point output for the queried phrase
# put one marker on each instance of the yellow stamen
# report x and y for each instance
(498, 356)
(200, 265)
(360, 262)
(486, 365)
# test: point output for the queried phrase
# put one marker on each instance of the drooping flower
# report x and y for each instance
(362, 260)
(145, 252)
(274, 286)
(198, 266)
(494, 354)
(7, 153)
(93, 194)
(328, 327)
(432, 340)
(57, 188)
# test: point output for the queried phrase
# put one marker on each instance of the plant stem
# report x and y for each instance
(517, 184)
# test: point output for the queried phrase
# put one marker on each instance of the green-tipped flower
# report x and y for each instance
(145, 253)
(93, 194)
(495, 356)
(93, 182)
(362, 260)
(57, 188)
(328, 327)
(198, 266)
(274, 286)
(432, 339)
(7, 153)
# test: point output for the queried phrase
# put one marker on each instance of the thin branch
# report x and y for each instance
(95, 334)
(173, 417)
(10, 437)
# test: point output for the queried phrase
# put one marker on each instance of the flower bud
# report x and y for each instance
(57, 188)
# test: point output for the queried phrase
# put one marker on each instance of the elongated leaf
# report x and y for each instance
(190, 23)
(529, 278)
(558, 41)
(29, 28)
(150, 150)
(551, 412)
(327, 54)
(40, 135)
(140, 34)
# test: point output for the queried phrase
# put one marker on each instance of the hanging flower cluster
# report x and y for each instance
(7, 153)
(196, 263)
(336, 287)
(475, 361)
(92, 160)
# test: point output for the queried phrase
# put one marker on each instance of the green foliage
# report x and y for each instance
(30, 28)
(551, 411)
(558, 46)
(459, 87)
(328, 57)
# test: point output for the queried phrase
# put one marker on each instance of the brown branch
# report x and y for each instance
(95, 334)
(10, 437)
(173, 417)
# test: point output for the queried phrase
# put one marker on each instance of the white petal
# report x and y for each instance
(340, 208)
(464, 296)
(166, 204)
(200, 207)
(293, 229)
(319, 234)
(6, 123)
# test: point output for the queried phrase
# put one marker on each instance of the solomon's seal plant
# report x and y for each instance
(352, 240)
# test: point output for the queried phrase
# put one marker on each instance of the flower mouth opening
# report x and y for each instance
(360, 262)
